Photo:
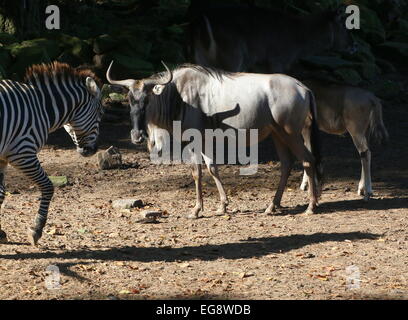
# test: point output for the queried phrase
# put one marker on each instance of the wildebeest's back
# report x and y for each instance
(338, 104)
(256, 100)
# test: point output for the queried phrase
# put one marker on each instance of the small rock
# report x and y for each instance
(151, 214)
(127, 203)
(110, 159)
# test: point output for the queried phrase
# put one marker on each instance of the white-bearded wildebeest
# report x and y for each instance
(342, 109)
(236, 38)
(52, 96)
(276, 105)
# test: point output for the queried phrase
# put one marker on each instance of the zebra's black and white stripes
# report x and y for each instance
(51, 96)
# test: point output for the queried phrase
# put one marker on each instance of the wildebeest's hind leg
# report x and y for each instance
(303, 185)
(31, 167)
(306, 133)
(296, 145)
(364, 186)
(286, 163)
(197, 176)
(213, 170)
(3, 164)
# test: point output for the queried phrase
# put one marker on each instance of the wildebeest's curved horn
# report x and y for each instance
(126, 83)
(164, 82)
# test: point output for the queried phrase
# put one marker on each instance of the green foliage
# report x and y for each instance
(5, 58)
(348, 75)
(138, 34)
(6, 38)
(371, 26)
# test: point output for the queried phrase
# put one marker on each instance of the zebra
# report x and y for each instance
(51, 96)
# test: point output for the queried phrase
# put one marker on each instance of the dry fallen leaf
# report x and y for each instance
(184, 265)
(243, 275)
(124, 292)
(113, 235)
(322, 277)
(55, 231)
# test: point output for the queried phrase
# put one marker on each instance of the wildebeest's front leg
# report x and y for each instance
(213, 170)
(31, 167)
(197, 176)
(3, 164)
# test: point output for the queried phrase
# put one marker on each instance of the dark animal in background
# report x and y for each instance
(236, 38)
(276, 105)
(342, 109)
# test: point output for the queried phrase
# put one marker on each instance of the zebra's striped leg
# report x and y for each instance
(31, 167)
(3, 236)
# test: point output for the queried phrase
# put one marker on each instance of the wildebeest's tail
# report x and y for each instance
(315, 137)
(377, 133)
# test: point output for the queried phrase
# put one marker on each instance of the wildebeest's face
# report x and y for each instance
(342, 39)
(138, 96)
(137, 101)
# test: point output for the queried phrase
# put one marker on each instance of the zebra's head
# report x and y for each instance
(84, 126)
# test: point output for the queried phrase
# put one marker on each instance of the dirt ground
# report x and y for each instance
(103, 253)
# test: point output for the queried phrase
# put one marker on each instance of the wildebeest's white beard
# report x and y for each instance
(159, 139)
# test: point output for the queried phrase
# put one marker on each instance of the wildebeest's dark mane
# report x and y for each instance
(215, 73)
(212, 72)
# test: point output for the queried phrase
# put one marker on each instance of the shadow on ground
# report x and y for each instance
(249, 248)
(352, 205)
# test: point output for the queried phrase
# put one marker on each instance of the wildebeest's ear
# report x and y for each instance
(158, 89)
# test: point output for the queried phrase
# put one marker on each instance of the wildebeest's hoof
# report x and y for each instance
(363, 193)
(193, 216)
(3, 237)
(303, 187)
(222, 210)
(310, 210)
(34, 236)
(272, 209)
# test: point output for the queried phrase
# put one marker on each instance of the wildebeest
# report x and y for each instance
(276, 105)
(342, 109)
(235, 38)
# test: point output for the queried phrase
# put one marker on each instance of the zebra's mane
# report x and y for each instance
(58, 70)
